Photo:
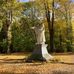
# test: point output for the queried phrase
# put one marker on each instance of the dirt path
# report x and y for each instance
(11, 64)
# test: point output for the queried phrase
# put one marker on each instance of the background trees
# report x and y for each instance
(16, 18)
(10, 10)
(58, 16)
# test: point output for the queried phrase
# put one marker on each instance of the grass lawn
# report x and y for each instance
(15, 64)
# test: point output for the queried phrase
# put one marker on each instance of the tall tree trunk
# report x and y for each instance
(60, 40)
(9, 39)
(50, 24)
(6, 35)
(9, 34)
(52, 30)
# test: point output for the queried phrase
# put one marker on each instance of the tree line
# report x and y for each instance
(17, 18)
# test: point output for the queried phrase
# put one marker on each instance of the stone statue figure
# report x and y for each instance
(40, 52)
(39, 31)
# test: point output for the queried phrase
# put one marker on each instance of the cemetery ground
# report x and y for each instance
(15, 64)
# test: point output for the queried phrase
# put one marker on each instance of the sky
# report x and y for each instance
(73, 0)
(28, 0)
(24, 0)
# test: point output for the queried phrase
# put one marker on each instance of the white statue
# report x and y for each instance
(41, 48)
(40, 33)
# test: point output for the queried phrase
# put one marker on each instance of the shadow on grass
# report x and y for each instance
(12, 60)
(58, 62)
(67, 63)
(20, 61)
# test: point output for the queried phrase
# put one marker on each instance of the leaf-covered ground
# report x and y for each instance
(14, 64)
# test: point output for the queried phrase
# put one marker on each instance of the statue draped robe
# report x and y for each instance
(40, 36)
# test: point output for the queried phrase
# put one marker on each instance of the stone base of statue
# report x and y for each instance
(40, 54)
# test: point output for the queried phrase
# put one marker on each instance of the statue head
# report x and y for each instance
(38, 25)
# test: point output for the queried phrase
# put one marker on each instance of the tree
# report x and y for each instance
(53, 8)
(11, 10)
(65, 7)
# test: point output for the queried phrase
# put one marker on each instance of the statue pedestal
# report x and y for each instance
(40, 53)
